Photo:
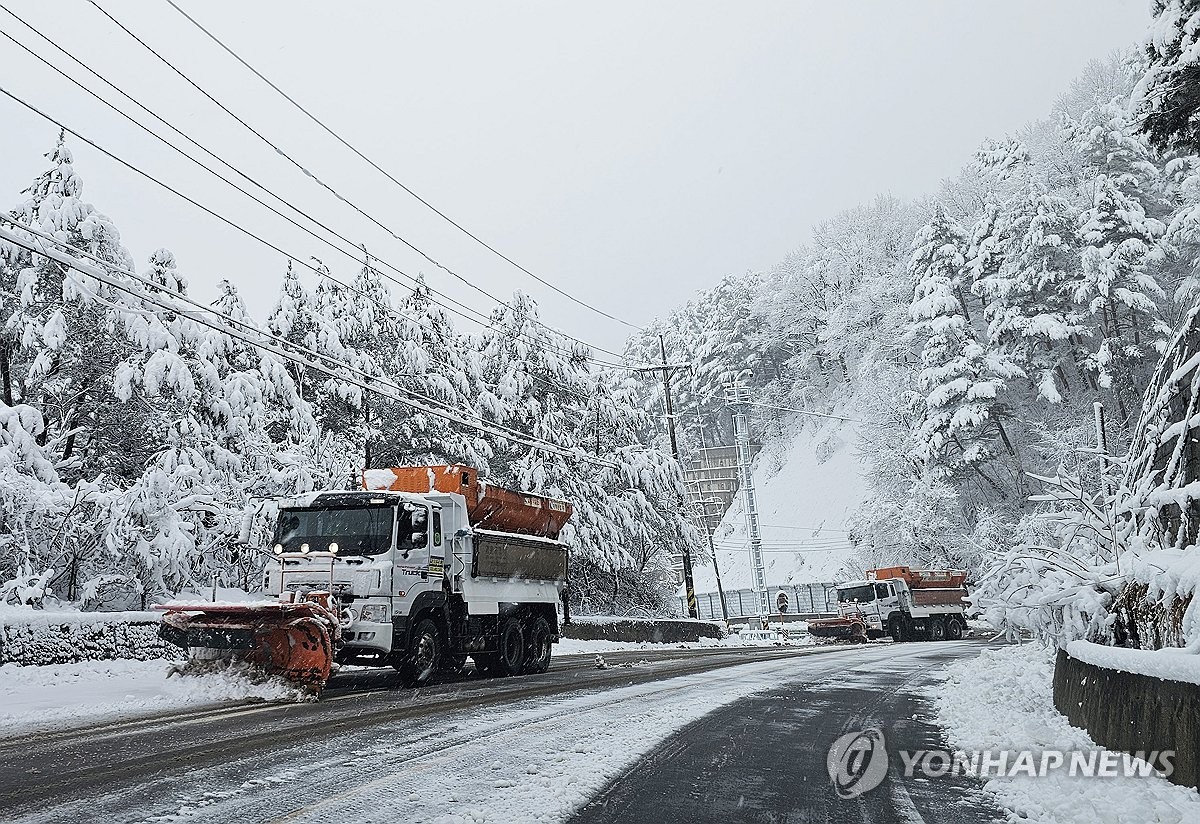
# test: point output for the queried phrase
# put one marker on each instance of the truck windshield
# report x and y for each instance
(861, 593)
(365, 530)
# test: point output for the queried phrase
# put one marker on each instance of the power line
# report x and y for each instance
(787, 551)
(319, 181)
(389, 176)
(732, 541)
(781, 548)
(789, 544)
(319, 271)
(813, 528)
(474, 316)
(373, 384)
(804, 412)
(249, 327)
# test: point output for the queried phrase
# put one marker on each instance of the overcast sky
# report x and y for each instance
(630, 153)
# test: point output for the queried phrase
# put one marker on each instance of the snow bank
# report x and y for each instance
(1003, 701)
(1164, 664)
(36, 637)
(47, 697)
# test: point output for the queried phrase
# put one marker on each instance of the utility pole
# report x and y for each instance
(737, 397)
(667, 369)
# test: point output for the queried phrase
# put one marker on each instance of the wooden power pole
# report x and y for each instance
(666, 370)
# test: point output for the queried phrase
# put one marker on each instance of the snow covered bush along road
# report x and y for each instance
(37, 637)
(1002, 701)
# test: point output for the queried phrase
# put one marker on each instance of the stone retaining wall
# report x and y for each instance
(1131, 713)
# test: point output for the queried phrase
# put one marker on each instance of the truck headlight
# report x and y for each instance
(374, 613)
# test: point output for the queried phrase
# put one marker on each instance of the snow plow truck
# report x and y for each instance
(417, 570)
(907, 604)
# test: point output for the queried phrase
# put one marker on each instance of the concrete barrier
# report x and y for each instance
(1127, 712)
(641, 630)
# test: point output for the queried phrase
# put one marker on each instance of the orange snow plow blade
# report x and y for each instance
(295, 641)
(838, 628)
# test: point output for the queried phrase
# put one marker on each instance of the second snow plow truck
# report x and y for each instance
(419, 569)
(907, 604)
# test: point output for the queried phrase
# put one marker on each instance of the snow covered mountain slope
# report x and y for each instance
(807, 488)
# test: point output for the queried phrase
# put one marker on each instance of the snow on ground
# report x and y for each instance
(1003, 701)
(814, 481)
(33, 699)
(538, 761)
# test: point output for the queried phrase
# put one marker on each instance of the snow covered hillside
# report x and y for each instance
(808, 486)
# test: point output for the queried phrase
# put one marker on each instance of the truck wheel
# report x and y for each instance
(937, 629)
(954, 629)
(424, 653)
(510, 656)
(896, 629)
(537, 652)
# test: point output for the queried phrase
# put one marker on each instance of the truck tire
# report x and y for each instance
(896, 629)
(510, 655)
(955, 628)
(937, 629)
(537, 651)
(424, 654)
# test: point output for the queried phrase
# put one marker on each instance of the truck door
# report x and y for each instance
(883, 602)
(412, 551)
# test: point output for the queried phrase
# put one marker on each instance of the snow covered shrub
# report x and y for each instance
(1059, 583)
(39, 638)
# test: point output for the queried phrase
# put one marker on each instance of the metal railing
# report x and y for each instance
(743, 603)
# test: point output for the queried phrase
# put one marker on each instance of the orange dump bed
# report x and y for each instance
(922, 578)
(488, 506)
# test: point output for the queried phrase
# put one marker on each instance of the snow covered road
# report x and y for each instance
(519, 750)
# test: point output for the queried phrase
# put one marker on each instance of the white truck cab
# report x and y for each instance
(416, 585)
